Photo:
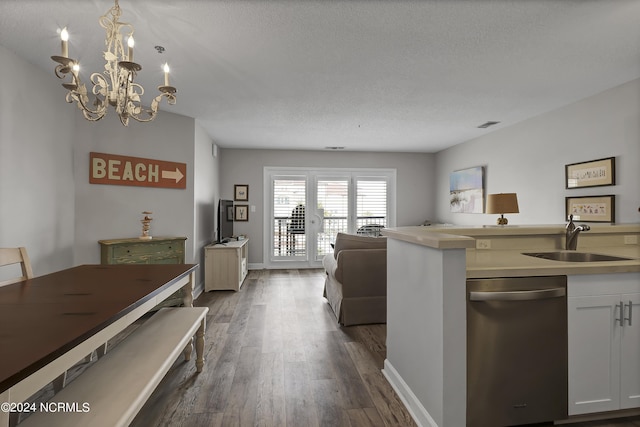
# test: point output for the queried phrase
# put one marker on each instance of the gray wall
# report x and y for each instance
(114, 211)
(529, 159)
(36, 168)
(415, 182)
(46, 201)
(206, 194)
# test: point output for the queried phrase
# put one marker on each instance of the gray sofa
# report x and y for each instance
(356, 283)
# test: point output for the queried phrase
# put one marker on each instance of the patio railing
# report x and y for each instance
(292, 242)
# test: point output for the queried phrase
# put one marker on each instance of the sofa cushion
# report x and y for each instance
(352, 241)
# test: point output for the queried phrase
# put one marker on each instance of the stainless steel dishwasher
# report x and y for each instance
(516, 350)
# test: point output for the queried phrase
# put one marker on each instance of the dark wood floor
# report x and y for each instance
(275, 356)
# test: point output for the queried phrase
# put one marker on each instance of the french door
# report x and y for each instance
(306, 209)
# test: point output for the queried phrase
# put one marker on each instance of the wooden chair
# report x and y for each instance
(12, 256)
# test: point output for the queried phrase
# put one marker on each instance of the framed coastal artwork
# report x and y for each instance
(241, 192)
(241, 213)
(591, 208)
(466, 190)
(594, 173)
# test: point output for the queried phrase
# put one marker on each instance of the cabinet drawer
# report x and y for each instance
(156, 250)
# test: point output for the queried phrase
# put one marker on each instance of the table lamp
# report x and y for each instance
(502, 203)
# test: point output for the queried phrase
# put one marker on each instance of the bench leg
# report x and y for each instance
(187, 350)
(200, 346)
(199, 339)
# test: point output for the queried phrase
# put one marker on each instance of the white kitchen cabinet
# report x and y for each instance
(630, 354)
(604, 342)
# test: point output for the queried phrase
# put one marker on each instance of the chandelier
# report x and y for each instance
(115, 86)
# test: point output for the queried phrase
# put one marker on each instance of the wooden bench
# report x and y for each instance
(115, 388)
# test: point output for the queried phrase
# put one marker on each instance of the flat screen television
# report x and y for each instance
(225, 221)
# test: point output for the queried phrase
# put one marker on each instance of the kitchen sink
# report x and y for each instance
(575, 256)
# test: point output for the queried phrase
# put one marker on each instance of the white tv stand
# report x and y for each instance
(226, 265)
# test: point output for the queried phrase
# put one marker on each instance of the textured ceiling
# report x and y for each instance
(366, 75)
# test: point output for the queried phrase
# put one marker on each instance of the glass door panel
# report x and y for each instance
(371, 206)
(289, 218)
(332, 196)
(308, 208)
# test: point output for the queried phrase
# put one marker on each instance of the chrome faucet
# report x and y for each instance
(572, 234)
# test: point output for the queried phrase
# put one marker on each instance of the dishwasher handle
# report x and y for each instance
(517, 295)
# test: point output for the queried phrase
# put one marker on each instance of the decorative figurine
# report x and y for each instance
(146, 225)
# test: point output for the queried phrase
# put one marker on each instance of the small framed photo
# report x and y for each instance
(591, 208)
(595, 173)
(241, 213)
(241, 192)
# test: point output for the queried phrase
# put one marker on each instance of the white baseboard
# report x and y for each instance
(415, 408)
(197, 290)
(282, 265)
(256, 266)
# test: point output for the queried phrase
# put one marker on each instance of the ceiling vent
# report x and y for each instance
(487, 124)
(334, 148)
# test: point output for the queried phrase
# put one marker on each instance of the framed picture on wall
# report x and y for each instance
(241, 192)
(466, 190)
(241, 213)
(594, 173)
(591, 208)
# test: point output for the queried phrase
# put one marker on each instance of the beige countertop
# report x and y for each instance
(433, 238)
(512, 263)
(507, 260)
(505, 231)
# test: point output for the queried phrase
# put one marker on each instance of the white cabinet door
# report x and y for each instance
(630, 358)
(594, 353)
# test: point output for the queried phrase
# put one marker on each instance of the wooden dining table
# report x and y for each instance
(51, 322)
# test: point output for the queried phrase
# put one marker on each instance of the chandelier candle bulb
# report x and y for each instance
(64, 35)
(166, 74)
(130, 44)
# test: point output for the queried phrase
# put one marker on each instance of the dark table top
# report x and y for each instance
(44, 317)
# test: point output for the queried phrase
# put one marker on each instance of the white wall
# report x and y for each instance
(36, 169)
(529, 159)
(415, 182)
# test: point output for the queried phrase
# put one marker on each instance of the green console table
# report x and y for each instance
(158, 250)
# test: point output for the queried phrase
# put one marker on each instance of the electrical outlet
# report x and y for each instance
(631, 239)
(483, 244)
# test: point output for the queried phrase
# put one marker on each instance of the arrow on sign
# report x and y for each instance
(177, 175)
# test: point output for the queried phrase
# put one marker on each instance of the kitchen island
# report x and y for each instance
(426, 296)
